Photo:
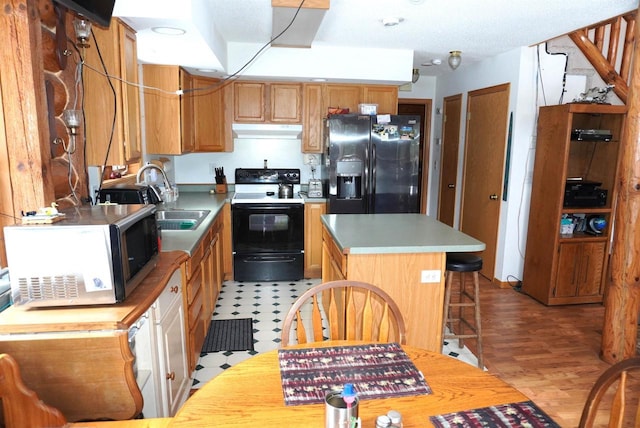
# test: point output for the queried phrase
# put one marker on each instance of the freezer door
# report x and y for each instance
(348, 163)
(395, 166)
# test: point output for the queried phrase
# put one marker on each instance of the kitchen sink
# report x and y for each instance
(180, 219)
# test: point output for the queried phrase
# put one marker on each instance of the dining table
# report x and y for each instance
(250, 393)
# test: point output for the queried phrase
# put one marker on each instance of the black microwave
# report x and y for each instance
(93, 255)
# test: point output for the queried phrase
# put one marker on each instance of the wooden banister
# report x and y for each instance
(592, 42)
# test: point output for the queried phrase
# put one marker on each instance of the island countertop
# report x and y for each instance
(396, 233)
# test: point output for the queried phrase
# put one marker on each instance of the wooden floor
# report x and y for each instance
(550, 353)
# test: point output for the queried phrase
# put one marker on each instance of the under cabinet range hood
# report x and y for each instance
(266, 130)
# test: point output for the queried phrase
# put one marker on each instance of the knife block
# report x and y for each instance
(221, 188)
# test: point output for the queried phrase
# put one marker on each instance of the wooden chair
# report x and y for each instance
(20, 405)
(351, 310)
(613, 385)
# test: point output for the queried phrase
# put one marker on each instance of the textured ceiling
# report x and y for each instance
(429, 28)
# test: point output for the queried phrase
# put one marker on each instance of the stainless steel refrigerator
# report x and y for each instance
(374, 164)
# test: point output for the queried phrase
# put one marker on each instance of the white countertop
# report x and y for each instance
(396, 233)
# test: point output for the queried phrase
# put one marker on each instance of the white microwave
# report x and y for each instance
(94, 255)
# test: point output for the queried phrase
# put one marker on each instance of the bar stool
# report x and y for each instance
(463, 263)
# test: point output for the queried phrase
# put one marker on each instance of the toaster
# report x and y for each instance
(129, 194)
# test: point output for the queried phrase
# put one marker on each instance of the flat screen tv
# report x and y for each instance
(96, 11)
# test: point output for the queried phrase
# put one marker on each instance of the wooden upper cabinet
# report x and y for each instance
(343, 96)
(286, 103)
(187, 112)
(249, 102)
(130, 93)
(313, 114)
(211, 130)
(258, 102)
(118, 48)
(385, 96)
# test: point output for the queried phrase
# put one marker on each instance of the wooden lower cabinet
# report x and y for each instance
(580, 269)
(399, 275)
(313, 238)
(203, 279)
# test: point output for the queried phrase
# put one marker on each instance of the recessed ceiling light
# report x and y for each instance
(416, 1)
(207, 70)
(318, 79)
(391, 21)
(169, 31)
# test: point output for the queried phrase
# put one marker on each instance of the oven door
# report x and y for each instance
(268, 242)
(267, 228)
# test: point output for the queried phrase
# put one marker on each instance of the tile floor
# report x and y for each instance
(267, 304)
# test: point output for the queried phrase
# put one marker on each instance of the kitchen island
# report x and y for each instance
(405, 255)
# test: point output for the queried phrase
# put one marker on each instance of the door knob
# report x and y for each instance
(493, 197)
(451, 186)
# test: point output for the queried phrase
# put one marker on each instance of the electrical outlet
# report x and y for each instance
(432, 275)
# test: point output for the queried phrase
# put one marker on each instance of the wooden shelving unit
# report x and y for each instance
(571, 268)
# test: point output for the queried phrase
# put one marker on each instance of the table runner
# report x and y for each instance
(377, 371)
(522, 414)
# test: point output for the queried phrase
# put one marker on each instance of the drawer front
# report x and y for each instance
(194, 261)
(172, 292)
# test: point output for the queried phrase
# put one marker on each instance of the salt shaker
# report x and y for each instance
(396, 418)
(383, 421)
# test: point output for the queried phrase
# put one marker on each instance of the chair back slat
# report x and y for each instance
(351, 310)
(300, 332)
(614, 405)
(367, 318)
(385, 322)
(316, 320)
(334, 321)
(351, 316)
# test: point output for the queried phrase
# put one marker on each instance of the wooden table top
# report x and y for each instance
(250, 394)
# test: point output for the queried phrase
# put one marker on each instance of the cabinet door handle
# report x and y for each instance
(174, 289)
(171, 376)
(451, 186)
(493, 197)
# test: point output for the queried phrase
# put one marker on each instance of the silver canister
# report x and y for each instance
(337, 414)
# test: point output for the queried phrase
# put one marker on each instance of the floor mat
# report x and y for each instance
(229, 335)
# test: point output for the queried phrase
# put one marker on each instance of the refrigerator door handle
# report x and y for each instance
(372, 193)
(367, 171)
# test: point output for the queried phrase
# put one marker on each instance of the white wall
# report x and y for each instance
(521, 68)
(196, 168)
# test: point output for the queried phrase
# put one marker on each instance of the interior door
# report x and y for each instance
(485, 147)
(452, 110)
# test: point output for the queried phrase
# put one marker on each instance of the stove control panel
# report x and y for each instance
(267, 176)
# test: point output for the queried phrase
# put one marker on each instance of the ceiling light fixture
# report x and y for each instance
(455, 59)
(169, 31)
(415, 75)
(391, 21)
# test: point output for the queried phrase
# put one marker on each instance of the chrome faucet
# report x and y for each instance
(150, 165)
